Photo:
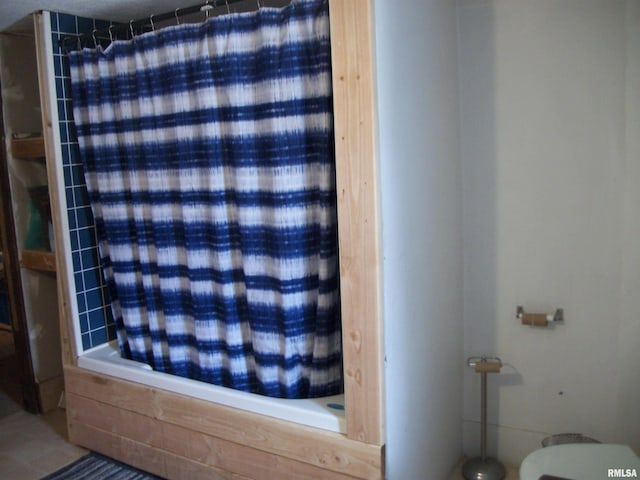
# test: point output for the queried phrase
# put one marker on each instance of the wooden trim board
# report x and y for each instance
(158, 418)
(51, 136)
(38, 260)
(31, 147)
(358, 216)
(143, 456)
(207, 451)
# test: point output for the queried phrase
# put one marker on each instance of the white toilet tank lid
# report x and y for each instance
(585, 461)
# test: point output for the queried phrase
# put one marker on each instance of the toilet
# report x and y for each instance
(581, 461)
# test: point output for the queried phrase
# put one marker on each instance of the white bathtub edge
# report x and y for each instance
(106, 359)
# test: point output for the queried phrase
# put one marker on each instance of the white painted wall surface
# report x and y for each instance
(421, 216)
(627, 428)
(549, 127)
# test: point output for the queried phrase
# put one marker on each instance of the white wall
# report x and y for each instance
(421, 215)
(627, 427)
(549, 127)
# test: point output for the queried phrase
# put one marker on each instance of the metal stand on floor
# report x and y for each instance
(483, 467)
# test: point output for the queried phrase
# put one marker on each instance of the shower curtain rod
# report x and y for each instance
(138, 26)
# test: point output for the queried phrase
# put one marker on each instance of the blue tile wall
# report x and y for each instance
(96, 320)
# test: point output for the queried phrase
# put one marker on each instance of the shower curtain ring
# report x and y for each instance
(259, 5)
(110, 33)
(153, 27)
(177, 17)
(93, 34)
(228, 9)
(131, 28)
(205, 8)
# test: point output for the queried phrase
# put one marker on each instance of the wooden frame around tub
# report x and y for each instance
(358, 215)
(180, 437)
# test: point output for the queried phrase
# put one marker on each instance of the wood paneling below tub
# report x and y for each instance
(106, 414)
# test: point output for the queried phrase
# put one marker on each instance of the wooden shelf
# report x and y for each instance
(31, 147)
(39, 260)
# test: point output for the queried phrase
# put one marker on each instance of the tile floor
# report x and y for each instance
(32, 446)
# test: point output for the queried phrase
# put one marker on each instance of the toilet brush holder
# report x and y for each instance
(484, 467)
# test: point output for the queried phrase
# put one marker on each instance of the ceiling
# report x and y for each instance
(14, 14)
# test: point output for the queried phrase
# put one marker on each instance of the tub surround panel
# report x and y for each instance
(186, 447)
(141, 455)
(145, 415)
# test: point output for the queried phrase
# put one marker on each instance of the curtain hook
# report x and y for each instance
(177, 17)
(93, 33)
(153, 27)
(111, 33)
(131, 28)
(228, 9)
(259, 6)
(79, 42)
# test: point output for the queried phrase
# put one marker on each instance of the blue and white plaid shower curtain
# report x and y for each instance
(209, 160)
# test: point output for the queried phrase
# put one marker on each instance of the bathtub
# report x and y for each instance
(326, 413)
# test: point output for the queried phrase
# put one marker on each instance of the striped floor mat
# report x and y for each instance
(97, 467)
